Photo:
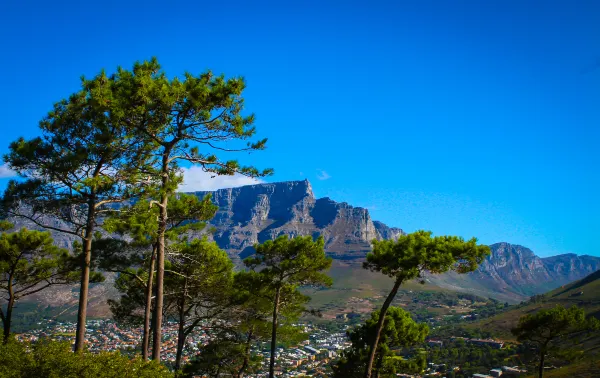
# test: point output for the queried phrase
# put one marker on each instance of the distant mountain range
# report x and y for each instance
(252, 214)
(514, 272)
(255, 213)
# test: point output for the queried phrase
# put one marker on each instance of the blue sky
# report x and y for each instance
(476, 118)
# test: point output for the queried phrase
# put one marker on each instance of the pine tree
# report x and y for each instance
(29, 263)
(549, 327)
(286, 264)
(139, 224)
(81, 164)
(186, 120)
(412, 256)
(399, 330)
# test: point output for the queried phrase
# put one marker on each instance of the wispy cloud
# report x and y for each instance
(195, 179)
(6, 172)
(322, 175)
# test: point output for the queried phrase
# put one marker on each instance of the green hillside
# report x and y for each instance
(584, 293)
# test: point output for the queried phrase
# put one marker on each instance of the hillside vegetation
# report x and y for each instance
(584, 293)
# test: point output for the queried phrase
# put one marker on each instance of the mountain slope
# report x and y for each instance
(584, 293)
(514, 273)
(252, 214)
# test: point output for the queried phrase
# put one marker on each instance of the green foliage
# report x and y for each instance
(295, 261)
(286, 264)
(475, 358)
(414, 254)
(84, 158)
(222, 357)
(546, 326)
(30, 263)
(200, 275)
(56, 360)
(399, 331)
(181, 120)
(139, 222)
(549, 327)
(188, 117)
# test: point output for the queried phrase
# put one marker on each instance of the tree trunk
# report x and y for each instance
(160, 272)
(148, 309)
(542, 357)
(6, 320)
(274, 334)
(181, 329)
(379, 365)
(85, 279)
(382, 313)
(246, 356)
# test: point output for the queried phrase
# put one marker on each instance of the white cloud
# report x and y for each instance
(6, 172)
(322, 175)
(195, 179)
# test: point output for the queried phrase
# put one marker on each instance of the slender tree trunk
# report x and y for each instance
(9, 308)
(85, 279)
(246, 356)
(8, 318)
(382, 313)
(542, 357)
(379, 364)
(160, 272)
(148, 309)
(274, 334)
(181, 329)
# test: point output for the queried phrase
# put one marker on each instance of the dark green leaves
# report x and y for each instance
(295, 261)
(414, 254)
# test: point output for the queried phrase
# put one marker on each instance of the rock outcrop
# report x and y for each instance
(515, 272)
(252, 214)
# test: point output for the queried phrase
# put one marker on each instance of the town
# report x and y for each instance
(311, 357)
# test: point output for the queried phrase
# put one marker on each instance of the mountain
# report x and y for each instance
(514, 273)
(584, 293)
(252, 214)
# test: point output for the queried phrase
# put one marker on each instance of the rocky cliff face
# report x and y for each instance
(514, 272)
(253, 214)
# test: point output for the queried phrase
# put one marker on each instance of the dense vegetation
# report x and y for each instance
(55, 359)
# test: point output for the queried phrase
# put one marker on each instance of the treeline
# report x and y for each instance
(105, 171)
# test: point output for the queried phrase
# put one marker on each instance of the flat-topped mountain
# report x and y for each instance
(252, 214)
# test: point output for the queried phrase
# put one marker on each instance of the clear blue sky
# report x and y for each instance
(476, 118)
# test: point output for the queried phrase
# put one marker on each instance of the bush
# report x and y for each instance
(51, 359)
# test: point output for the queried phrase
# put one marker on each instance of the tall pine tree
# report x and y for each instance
(84, 161)
(190, 120)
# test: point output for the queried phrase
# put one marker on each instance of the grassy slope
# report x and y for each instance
(585, 369)
(567, 295)
(351, 281)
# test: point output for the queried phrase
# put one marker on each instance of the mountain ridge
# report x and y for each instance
(252, 214)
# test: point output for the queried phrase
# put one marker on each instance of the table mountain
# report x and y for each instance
(252, 214)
